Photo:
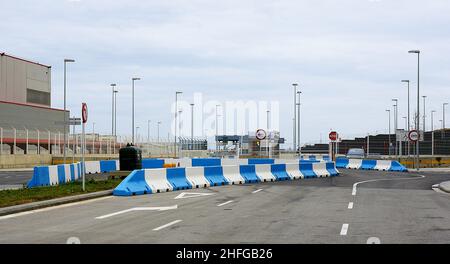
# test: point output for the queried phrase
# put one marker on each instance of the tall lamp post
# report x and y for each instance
(432, 132)
(113, 86)
(424, 115)
(408, 128)
(115, 114)
(295, 118)
(395, 124)
(418, 105)
(268, 131)
(132, 106)
(389, 145)
(298, 125)
(192, 126)
(443, 119)
(159, 123)
(148, 131)
(65, 118)
(217, 126)
(176, 123)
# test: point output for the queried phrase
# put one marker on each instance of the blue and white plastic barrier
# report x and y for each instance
(148, 181)
(54, 175)
(381, 165)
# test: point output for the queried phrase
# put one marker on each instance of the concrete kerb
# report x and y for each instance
(54, 202)
(445, 186)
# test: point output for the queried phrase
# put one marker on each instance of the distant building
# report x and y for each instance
(26, 116)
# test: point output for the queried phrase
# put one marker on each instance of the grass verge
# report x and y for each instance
(23, 196)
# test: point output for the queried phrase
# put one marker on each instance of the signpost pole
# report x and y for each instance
(84, 115)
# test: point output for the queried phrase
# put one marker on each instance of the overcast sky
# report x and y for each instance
(348, 56)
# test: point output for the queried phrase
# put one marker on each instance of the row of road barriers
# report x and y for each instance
(148, 181)
(54, 175)
(361, 164)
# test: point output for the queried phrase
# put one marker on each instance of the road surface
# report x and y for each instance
(391, 208)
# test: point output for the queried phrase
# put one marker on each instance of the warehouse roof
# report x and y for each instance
(17, 58)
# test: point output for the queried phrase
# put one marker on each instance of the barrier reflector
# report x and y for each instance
(215, 176)
(107, 166)
(354, 164)
(320, 169)
(307, 170)
(279, 171)
(293, 170)
(249, 173)
(133, 184)
(383, 165)
(196, 176)
(153, 163)
(156, 179)
(92, 167)
(233, 174)
(264, 172)
(331, 167)
(206, 162)
(260, 161)
(342, 163)
(397, 166)
(368, 164)
(177, 178)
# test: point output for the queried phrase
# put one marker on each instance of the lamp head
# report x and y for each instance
(414, 51)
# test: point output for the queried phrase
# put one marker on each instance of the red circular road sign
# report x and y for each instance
(333, 136)
(413, 135)
(84, 112)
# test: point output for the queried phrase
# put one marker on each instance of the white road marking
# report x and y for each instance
(344, 230)
(350, 205)
(167, 225)
(225, 203)
(53, 208)
(139, 209)
(257, 191)
(191, 195)
(355, 186)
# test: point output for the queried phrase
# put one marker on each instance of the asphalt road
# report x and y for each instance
(393, 208)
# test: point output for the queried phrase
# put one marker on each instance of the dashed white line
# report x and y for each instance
(344, 230)
(350, 205)
(225, 203)
(257, 191)
(167, 225)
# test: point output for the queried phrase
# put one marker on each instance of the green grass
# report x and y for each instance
(23, 196)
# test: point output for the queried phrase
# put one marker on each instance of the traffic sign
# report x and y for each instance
(333, 136)
(413, 135)
(261, 134)
(76, 121)
(84, 112)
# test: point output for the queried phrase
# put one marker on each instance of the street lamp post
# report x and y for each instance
(113, 85)
(65, 118)
(443, 117)
(148, 131)
(137, 135)
(408, 128)
(418, 105)
(132, 107)
(192, 126)
(298, 125)
(93, 139)
(176, 123)
(268, 129)
(432, 132)
(217, 126)
(389, 145)
(115, 114)
(295, 118)
(159, 123)
(396, 124)
(424, 115)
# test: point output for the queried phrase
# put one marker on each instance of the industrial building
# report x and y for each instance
(27, 121)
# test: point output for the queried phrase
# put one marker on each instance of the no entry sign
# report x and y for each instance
(333, 136)
(84, 112)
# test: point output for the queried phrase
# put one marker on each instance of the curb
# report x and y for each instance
(445, 186)
(58, 201)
